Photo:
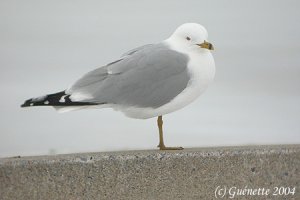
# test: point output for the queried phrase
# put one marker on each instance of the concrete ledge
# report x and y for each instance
(187, 174)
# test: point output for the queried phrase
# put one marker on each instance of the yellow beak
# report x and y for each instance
(206, 45)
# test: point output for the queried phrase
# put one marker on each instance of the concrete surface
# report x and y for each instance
(188, 174)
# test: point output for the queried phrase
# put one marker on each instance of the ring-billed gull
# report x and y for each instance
(149, 81)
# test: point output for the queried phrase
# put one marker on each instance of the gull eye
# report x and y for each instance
(188, 38)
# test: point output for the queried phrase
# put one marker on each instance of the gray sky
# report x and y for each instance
(47, 45)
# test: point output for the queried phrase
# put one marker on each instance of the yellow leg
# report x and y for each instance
(161, 144)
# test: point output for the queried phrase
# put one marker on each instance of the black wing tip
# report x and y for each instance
(54, 100)
(26, 103)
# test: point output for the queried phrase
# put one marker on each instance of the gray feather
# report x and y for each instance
(149, 76)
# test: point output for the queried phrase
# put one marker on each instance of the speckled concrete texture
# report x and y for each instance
(188, 174)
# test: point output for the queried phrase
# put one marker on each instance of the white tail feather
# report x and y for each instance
(64, 109)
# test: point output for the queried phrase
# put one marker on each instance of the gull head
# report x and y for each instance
(191, 35)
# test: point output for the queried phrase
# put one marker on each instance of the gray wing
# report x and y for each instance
(149, 77)
(132, 51)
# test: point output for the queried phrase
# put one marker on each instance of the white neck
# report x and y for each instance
(201, 63)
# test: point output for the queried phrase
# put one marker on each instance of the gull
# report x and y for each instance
(149, 81)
